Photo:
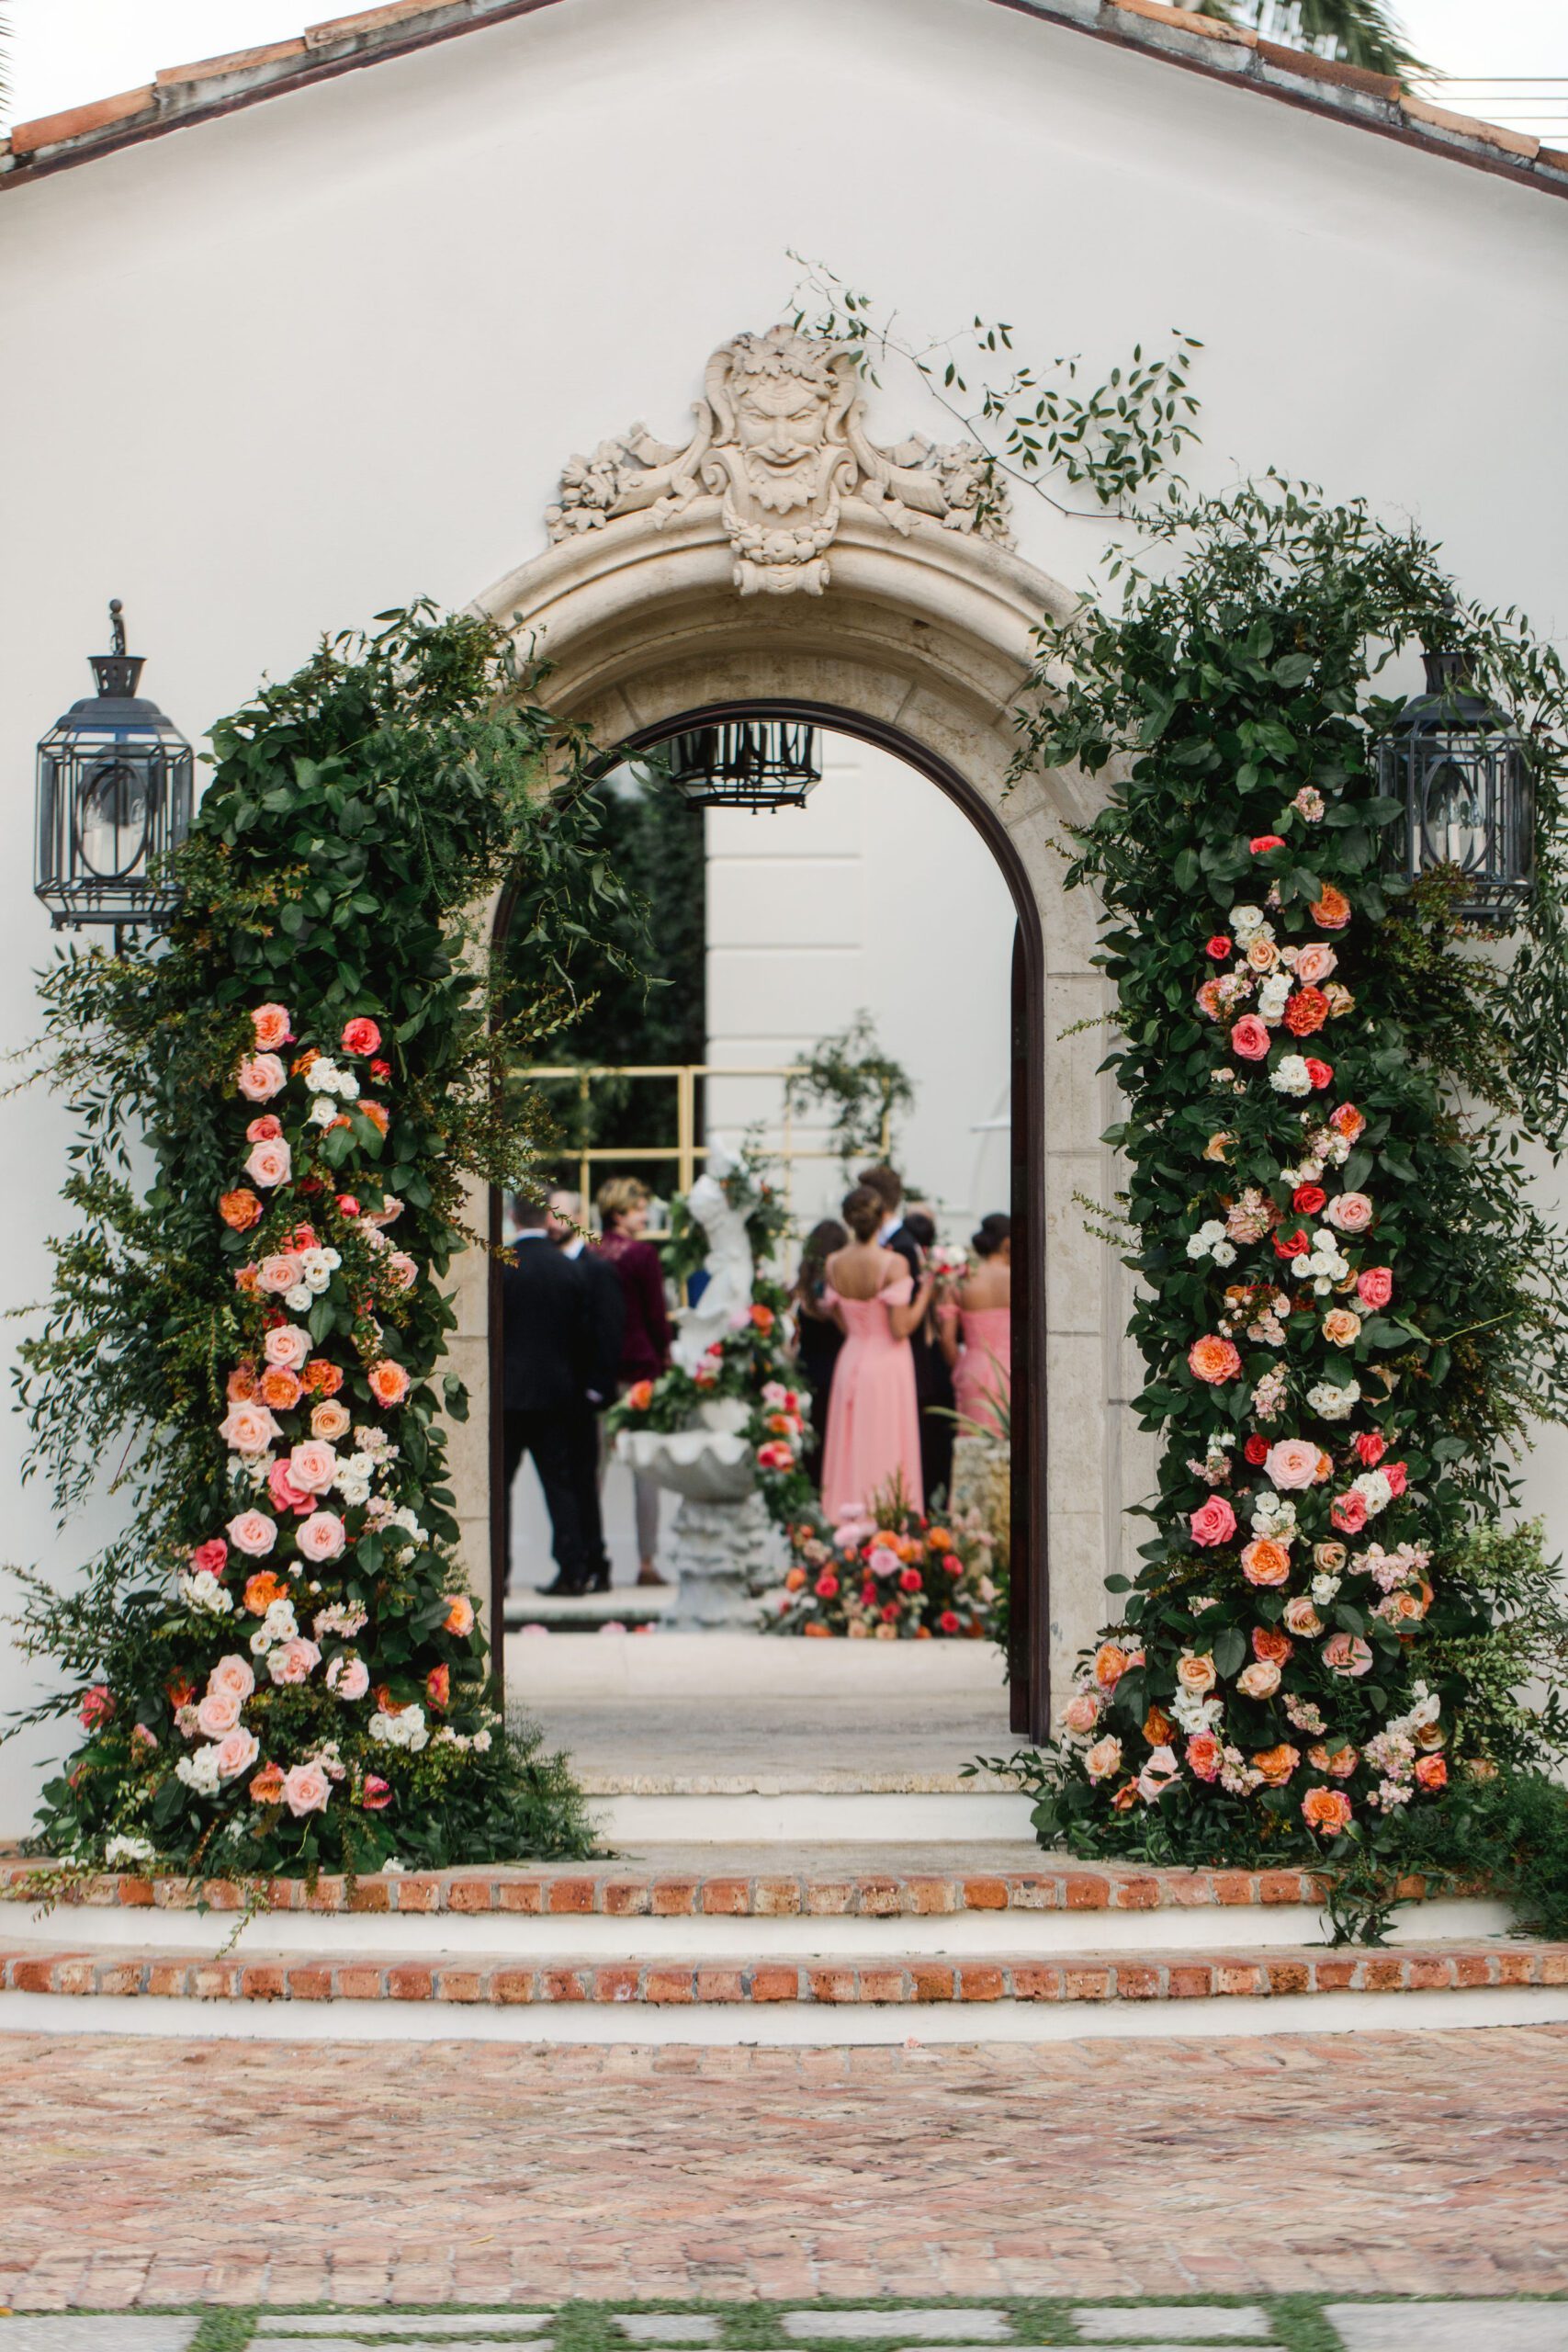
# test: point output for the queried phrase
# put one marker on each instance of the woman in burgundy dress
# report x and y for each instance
(644, 1348)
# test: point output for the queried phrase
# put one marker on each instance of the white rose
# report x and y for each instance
(300, 1300)
(1291, 1076)
(1334, 1404)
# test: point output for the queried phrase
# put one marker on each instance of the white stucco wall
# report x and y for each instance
(280, 371)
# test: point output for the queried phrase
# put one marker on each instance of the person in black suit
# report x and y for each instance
(544, 1311)
(934, 1381)
(606, 1310)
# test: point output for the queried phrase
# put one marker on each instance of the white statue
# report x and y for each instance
(728, 1261)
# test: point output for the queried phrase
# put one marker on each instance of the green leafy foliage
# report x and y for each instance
(866, 1088)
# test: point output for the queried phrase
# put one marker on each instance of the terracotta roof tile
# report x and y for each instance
(367, 20)
(1313, 68)
(1185, 20)
(237, 61)
(1513, 143)
(76, 122)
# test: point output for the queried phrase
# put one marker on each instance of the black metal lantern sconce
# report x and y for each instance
(114, 796)
(746, 763)
(1459, 771)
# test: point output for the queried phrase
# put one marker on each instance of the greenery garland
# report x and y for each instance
(1350, 1305)
(278, 1665)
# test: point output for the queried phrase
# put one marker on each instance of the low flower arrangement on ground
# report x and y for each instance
(889, 1575)
(281, 1660)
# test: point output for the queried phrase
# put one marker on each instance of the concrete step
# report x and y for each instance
(644, 1809)
(837, 1998)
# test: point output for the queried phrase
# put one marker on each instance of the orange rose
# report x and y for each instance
(1277, 1764)
(1327, 1810)
(1110, 1665)
(459, 1618)
(818, 1632)
(763, 1319)
(1265, 1562)
(267, 1786)
(241, 1386)
(438, 1686)
(1219, 1145)
(1268, 1641)
(321, 1378)
(794, 1580)
(377, 1116)
(240, 1210)
(1157, 1728)
(262, 1590)
(280, 1388)
(304, 1061)
(640, 1396)
(939, 1539)
(1332, 911)
(1213, 1359)
(389, 1381)
(247, 1280)
(1306, 1011)
(1341, 1762)
(1432, 1771)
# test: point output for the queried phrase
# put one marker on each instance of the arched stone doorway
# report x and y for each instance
(919, 640)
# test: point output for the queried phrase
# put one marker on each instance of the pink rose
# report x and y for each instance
(306, 1789)
(279, 1274)
(260, 1076)
(286, 1346)
(273, 1027)
(269, 1163)
(1258, 1680)
(313, 1465)
(97, 1707)
(285, 1494)
(1214, 1522)
(402, 1270)
(254, 1533)
(1082, 1713)
(233, 1674)
(321, 1537)
(1303, 1618)
(1292, 1463)
(218, 1713)
(361, 1036)
(293, 1661)
(349, 1676)
(1375, 1286)
(1351, 1211)
(266, 1127)
(1398, 1476)
(1315, 962)
(388, 1381)
(248, 1426)
(377, 1794)
(1346, 1655)
(237, 1751)
(1348, 1513)
(209, 1559)
(1249, 1038)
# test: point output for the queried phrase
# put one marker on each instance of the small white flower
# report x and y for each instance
(324, 1110)
(1273, 997)
(1248, 923)
(1334, 1403)
(124, 1848)
(1291, 1076)
(1323, 1590)
(300, 1300)
(324, 1077)
(206, 1593)
(199, 1770)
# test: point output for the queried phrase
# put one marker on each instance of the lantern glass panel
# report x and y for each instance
(115, 795)
(111, 819)
(1460, 773)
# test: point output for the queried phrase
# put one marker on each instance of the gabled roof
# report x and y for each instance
(216, 85)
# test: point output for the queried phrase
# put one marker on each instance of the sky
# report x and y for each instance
(66, 51)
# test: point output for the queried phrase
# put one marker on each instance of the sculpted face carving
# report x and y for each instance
(781, 443)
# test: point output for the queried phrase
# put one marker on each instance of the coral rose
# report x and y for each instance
(97, 1707)
(234, 1675)
(263, 1589)
(1214, 1522)
(1341, 1327)
(1314, 962)
(1321, 1074)
(1432, 1772)
(1265, 1562)
(267, 1786)
(218, 1713)
(1103, 1758)
(1348, 1656)
(1219, 948)
(330, 1420)
(640, 1396)
(1348, 1513)
(1351, 1211)
(1258, 1680)
(763, 1318)
(1255, 1451)
(1268, 1641)
(286, 1346)
(388, 1381)
(249, 1427)
(1291, 1245)
(237, 1751)
(1292, 1464)
(1306, 1011)
(1204, 1756)
(312, 1465)
(254, 1533)
(260, 1076)
(240, 1210)
(459, 1617)
(264, 1128)
(321, 1537)
(1275, 1765)
(1332, 911)
(1302, 1619)
(1110, 1663)
(285, 1495)
(269, 1163)
(1375, 1285)
(438, 1686)
(361, 1036)
(241, 1383)
(1213, 1359)
(280, 1389)
(209, 1559)
(1371, 1445)
(1327, 1810)
(305, 1789)
(1196, 1674)
(376, 1795)
(1249, 1038)
(1261, 843)
(273, 1027)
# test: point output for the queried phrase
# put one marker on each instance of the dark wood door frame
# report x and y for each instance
(1029, 1645)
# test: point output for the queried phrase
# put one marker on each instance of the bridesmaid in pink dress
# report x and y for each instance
(873, 1422)
(976, 1329)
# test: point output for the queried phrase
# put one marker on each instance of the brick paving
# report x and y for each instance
(144, 2172)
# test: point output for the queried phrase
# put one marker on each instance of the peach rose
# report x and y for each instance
(1082, 1712)
(1111, 1662)
(321, 1378)
(1338, 1762)
(278, 1274)
(1327, 1810)
(377, 1115)
(1103, 1758)
(388, 1381)
(1249, 1038)
(267, 1786)
(1265, 1562)
(240, 1210)
(1332, 911)
(1341, 1327)
(640, 1396)
(402, 1272)
(330, 1420)
(349, 1678)
(241, 1383)
(312, 1465)
(237, 1751)
(264, 1128)
(1262, 955)
(1314, 962)
(1220, 1144)
(218, 1714)
(293, 1661)
(249, 1427)
(305, 1789)
(1213, 1359)
(1204, 1756)
(1330, 1558)
(1196, 1674)
(288, 1347)
(1432, 1772)
(1258, 1680)
(321, 1537)
(1351, 1211)
(280, 1389)
(234, 1675)
(1292, 1464)
(459, 1618)
(273, 1027)
(254, 1533)
(260, 1076)
(1276, 1764)
(1302, 1619)
(1346, 1655)
(269, 1163)
(1214, 1522)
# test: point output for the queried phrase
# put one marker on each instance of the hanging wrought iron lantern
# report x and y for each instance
(746, 763)
(114, 796)
(1459, 771)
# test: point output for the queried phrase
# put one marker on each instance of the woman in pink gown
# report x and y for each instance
(873, 1422)
(977, 1329)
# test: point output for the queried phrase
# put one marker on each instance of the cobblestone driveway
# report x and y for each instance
(143, 2172)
